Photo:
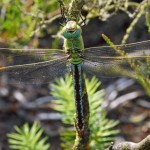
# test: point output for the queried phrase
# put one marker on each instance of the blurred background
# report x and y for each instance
(34, 24)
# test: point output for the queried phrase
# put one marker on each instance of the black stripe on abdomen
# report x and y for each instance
(77, 79)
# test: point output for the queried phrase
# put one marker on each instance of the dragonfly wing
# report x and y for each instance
(107, 62)
(41, 72)
(134, 49)
(9, 57)
(107, 68)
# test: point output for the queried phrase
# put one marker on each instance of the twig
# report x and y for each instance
(43, 24)
(138, 14)
(143, 145)
(74, 11)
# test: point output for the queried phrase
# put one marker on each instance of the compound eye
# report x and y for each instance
(71, 26)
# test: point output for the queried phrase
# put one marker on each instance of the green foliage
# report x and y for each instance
(28, 139)
(141, 76)
(19, 19)
(147, 16)
(63, 91)
(101, 128)
(16, 16)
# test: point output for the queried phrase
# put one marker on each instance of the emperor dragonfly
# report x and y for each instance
(46, 64)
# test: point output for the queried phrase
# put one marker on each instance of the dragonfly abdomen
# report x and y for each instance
(80, 95)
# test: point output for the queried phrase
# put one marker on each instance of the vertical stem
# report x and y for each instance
(75, 8)
(63, 8)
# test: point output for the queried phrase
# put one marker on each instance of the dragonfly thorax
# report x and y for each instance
(74, 56)
(73, 42)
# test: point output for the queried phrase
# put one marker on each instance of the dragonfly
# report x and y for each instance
(44, 65)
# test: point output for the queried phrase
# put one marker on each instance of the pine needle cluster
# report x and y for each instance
(28, 139)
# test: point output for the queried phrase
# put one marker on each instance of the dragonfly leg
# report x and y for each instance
(68, 54)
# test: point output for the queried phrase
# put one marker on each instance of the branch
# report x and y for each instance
(63, 8)
(43, 24)
(143, 145)
(74, 11)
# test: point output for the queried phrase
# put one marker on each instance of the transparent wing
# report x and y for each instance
(25, 56)
(134, 49)
(106, 62)
(109, 68)
(41, 72)
(32, 65)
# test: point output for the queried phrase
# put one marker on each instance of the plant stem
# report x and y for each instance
(74, 11)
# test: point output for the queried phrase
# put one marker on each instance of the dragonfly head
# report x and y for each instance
(71, 26)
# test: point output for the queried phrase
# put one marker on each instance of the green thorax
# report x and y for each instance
(73, 44)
